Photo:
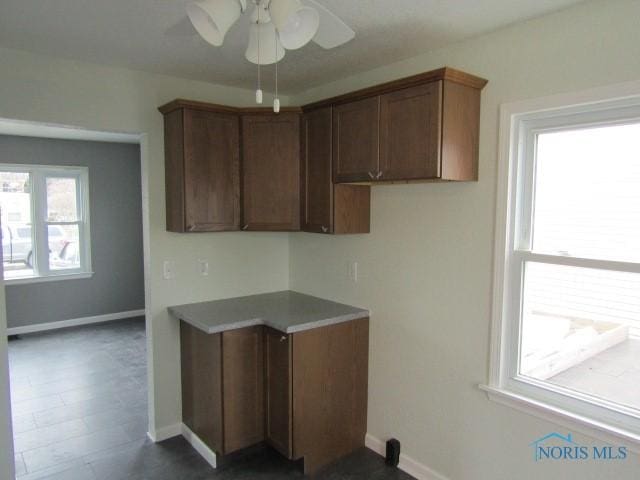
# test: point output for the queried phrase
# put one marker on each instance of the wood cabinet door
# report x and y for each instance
(202, 384)
(271, 172)
(330, 375)
(211, 171)
(316, 163)
(243, 387)
(355, 141)
(410, 126)
(278, 391)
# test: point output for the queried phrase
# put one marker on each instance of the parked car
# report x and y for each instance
(17, 243)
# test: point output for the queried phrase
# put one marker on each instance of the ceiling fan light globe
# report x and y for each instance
(264, 37)
(296, 24)
(213, 18)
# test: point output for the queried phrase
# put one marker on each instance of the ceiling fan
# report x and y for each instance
(276, 26)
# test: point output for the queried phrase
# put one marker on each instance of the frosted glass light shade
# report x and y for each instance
(213, 18)
(296, 24)
(271, 50)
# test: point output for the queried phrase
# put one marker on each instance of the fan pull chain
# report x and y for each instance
(259, 90)
(276, 101)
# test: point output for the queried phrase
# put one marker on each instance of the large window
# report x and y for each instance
(567, 308)
(45, 222)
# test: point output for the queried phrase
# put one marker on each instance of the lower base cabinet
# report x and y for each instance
(305, 393)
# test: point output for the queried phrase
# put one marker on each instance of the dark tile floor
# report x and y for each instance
(79, 400)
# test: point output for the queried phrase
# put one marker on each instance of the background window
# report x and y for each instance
(17, 234)
(45, 228)
(569, 318)
(581, 326)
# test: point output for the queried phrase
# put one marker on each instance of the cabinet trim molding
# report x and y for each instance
(179, 103)
(445, 73)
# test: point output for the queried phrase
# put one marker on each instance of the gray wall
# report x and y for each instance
(116, 233)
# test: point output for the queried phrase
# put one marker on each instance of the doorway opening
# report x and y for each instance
(73, 269)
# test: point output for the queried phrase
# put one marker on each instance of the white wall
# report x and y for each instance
(426, 266)
(41, 89)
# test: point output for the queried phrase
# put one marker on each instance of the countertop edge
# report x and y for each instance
(325, 322)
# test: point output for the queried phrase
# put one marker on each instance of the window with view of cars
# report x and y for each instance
(44, 212)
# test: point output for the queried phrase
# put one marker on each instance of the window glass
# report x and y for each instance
(55, 240)
(61, 200)
(587, 193)
(581, 330)
(64, 247)
(17, 239)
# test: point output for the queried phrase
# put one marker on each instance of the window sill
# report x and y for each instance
(49, 278)
(593, 428)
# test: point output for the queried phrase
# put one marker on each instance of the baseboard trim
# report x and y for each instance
(407, 464)
(165, 433)
(74, 322)
(199, 446)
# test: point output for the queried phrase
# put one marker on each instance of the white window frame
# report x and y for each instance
(38, 176)
(520, 122)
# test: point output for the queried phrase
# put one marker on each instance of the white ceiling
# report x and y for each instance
(156, 36)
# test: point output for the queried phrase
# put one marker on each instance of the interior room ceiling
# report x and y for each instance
(156, 36)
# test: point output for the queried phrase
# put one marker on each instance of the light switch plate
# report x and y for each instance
(168, 270)
(203, 267)
(353, 272)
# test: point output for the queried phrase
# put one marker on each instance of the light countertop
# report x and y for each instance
(286, 311)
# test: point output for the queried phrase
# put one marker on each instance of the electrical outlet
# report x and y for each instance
(353, 272)
(168, 270)
(203, 266)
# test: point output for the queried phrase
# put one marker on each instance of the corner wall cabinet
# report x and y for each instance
(289, 176)
(271, 172)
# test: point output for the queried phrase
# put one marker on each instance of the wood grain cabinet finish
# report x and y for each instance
(420, 128)
(202, 171)
(201, 366)
(242, 387)
(430, 132)
(271, 172)
(304, 393)
(330, 389)
(410, 125)
(328, 208)
(232, 168)
(278, 392)
(222, 386)
(356, 141)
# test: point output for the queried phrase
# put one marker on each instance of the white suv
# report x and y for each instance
(17, 246)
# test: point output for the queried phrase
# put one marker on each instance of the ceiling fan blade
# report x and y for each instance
(332, 32)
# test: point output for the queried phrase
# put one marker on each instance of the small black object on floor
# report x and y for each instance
(393, 452)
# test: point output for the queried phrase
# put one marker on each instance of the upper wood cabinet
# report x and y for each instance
(202, 170)
(356, 141)
(410, 125)
(271, 172)
(421, 128)
(328, 208)
(314, 175)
